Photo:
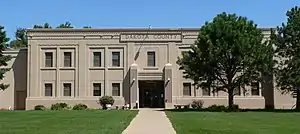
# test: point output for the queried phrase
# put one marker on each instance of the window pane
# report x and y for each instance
(97, 89)
(67, 59)
(48, 89)
(187, 89)
(49, 59)
(67, 89)
(116, 89)
(254, 88)
(151, 59)
(116, 59)
(237, 91)
(97, 59)
(206, 91)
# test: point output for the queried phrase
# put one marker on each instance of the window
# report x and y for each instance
(116, 89)
(151, 59)
(67, 59)
(187, 89)
(206, 91)
(97, 89)
(97, 59)
(255, 88)
(237, 91)
(67, 89)
(48, 59)
(48, 89)
(115, 59)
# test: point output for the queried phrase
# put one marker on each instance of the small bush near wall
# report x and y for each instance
(197, 104)
(217, 108)
(80, 107)
(106, 100)
(59, 106)
(39, 107)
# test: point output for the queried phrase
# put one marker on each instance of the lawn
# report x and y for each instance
(65, 122)
(235, 123)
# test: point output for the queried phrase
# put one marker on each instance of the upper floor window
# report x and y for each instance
(151, 59)
(97, 89)
(115, 89)
(67, 59)
(67, 89)
(187, 89)
(48, 59)
(97, 59)
(255, 88)
(48, 89)
(116, 59)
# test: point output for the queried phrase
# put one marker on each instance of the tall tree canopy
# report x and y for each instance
(21, 39)
(228, 53)
(287, 42)
(3, 58)
(65, 25)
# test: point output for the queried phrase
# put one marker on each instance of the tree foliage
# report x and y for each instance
(228, 53)
(87, 27)
(46, 25)
(287, 42)
(65, 25)
(3, 58)
(21, 39)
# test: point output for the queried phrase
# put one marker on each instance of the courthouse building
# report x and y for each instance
(134, 65)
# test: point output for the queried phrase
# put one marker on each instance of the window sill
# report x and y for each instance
(96, 68)
(150, 68)
(115, 68)
(67, 68)
(48, 68)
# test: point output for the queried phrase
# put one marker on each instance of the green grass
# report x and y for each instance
(235, 123)
(65, 122)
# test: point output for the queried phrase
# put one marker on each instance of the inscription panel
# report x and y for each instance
(151, 37)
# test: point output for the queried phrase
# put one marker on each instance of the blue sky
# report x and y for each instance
(138, 13)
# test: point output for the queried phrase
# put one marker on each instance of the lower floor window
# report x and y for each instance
(187, 89)
(67, 89)
(115, 89)
(48, 89)
(97, 89)
(255, 88)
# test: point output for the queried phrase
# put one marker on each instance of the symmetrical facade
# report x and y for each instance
(135, 66)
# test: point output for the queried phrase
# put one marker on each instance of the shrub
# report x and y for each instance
(235, 108)
(80, 107)
(218, 108)
(197, 104)
(106, 100)
(59, 106)
(39, 107)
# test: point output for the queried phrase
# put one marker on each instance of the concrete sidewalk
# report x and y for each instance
(150, 121)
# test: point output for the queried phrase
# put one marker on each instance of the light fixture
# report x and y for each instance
(133, 79)
(169, 79)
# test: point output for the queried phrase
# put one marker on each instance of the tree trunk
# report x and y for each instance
(298, 99)
(230, 98)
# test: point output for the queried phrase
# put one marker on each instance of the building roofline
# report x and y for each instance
(116, 29)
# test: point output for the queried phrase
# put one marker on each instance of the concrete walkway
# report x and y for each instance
(150, 121)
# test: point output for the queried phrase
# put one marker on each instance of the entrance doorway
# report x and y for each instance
(151, 94)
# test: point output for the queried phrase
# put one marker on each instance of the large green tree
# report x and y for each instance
(228, 53)
(287, 43)
(3, 58)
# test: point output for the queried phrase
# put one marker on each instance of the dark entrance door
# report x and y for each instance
(151, 94)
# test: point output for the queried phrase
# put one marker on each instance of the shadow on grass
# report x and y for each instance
(226, 110)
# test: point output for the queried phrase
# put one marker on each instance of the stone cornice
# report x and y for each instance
(110, 34)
